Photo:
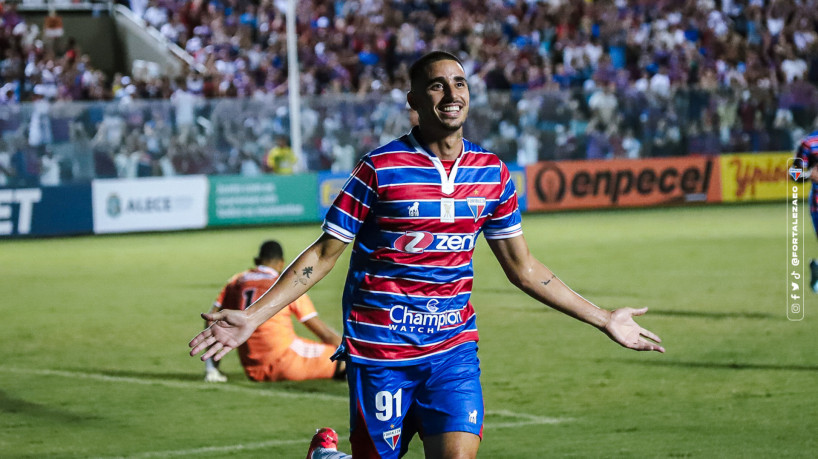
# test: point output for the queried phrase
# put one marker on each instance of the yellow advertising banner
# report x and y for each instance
(757, 177)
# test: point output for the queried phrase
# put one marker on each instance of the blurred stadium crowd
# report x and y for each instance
(551, 79)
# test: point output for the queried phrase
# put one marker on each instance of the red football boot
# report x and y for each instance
(323, 438)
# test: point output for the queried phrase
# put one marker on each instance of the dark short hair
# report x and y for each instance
(269, 250)
(417, 68)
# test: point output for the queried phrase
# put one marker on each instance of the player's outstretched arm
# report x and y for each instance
(534, 278)
(231, 328)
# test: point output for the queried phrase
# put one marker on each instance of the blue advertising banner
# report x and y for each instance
(46, 211)
(518, 175)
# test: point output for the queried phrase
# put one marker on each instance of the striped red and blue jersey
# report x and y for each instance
(414, 228)
(808, 151)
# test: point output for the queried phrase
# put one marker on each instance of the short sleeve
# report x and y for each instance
(220, 299)
(353, 203)
(505, 221)
(223, 295)
(303, 308)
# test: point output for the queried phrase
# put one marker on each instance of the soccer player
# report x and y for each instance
(807, 152)
(413, 209)
(273, 352)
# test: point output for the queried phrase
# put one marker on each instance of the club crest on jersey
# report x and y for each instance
(795, 172)
(476, 205)
(392, 437)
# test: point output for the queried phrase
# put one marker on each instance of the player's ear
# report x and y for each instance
(410, 99)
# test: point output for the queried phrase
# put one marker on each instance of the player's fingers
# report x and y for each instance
(222, 353)
(638, 312)
(212, 316)
(645, 345)
(212, 350)
(197, 340)
(206, 337)
(204, 344)
(209, 341)
(651, 335)
(196, 349)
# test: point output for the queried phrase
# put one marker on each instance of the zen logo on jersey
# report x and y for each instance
(418, 241)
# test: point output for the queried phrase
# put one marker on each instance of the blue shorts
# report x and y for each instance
(388, 405)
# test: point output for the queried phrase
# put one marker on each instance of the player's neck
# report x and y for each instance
(445, 145)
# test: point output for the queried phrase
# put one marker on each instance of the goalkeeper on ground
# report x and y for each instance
(274, 352)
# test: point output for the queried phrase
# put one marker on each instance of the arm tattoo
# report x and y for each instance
(305, 272)
(545, 283)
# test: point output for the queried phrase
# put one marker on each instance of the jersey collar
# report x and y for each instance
(446, 180)
(267, 269)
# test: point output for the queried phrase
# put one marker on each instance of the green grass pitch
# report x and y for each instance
(94, 345)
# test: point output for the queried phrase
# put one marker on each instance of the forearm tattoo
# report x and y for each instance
(545, 283)
(304, 277)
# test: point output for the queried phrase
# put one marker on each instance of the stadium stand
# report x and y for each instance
(551, 80)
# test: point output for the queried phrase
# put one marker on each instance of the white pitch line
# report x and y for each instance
(527, 419)
(177, 384)
(524, 418)
(215, 449)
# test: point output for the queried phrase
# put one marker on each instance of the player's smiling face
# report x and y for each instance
(442, 99)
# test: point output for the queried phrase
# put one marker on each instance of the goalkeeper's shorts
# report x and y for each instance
(303, 359)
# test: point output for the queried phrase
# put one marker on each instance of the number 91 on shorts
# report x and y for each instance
(389, 405)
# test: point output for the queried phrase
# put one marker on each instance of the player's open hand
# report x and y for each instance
(228, 330)
(625, 331)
